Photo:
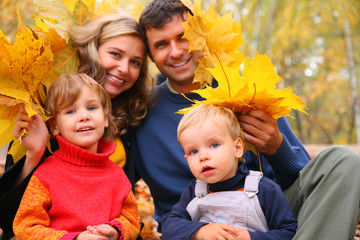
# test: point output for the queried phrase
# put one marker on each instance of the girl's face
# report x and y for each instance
(83, 123)
(211, 152)
(122, 58)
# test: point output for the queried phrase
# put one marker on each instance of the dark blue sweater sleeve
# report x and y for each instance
(177, 224)
(280, 219)
(290, 158)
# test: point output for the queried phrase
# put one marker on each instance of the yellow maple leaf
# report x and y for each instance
(24, 65)
(57, 16)
(256, 88)
(61, 14)
(210, 34)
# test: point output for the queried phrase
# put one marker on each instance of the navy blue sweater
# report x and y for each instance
(281, 221)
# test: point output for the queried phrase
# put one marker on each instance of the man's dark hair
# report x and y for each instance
(159, 12)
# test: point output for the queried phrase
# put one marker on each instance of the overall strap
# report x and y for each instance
(252, 180)
(201, 188)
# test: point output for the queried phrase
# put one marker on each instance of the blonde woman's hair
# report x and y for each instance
(64, 91)
(129, 107)
(220, 115)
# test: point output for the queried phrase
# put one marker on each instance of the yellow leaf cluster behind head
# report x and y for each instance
(255, 89)
(213, 35)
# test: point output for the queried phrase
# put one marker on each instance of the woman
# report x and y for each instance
(112, 51)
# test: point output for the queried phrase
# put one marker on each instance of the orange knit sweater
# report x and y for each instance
(75, 188)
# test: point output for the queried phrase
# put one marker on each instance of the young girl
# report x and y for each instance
(226, 200)
(78, 192)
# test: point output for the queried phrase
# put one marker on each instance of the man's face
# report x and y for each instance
(170, 53)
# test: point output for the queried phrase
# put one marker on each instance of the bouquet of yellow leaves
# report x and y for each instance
(255, 89)
(26, 68)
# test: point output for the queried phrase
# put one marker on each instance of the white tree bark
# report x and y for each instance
(352, 78)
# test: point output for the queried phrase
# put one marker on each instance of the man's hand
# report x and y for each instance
(262, 131)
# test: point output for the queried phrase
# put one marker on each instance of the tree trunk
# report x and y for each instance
(269, 27)
(257, 24)
(352, 78)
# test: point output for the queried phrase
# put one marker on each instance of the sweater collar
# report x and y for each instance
(163, 88)
(231, 183)
(75, 155)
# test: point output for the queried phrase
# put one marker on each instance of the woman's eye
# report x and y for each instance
(136, 63)
(115, 54)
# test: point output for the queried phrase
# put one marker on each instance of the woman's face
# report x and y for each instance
(122, 58)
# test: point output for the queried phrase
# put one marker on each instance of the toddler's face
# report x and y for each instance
(211, 152)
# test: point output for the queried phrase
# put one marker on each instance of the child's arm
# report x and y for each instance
(128, 223)
(32, 220)
(14, 180)
(177, 224)
(34, 141)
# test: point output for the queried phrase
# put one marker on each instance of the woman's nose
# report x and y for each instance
(123, 67)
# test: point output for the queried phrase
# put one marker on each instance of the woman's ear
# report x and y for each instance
(239, 148)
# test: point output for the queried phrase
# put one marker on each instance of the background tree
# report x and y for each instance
(314, 44)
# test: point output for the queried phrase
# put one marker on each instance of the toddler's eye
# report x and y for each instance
(192, 152)
(92, 108)
(214, 145)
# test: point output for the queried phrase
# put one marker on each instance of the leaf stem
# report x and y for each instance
(226, 77)
(182, 94)
(253, 95)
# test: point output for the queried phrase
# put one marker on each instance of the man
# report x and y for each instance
(324, 192)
